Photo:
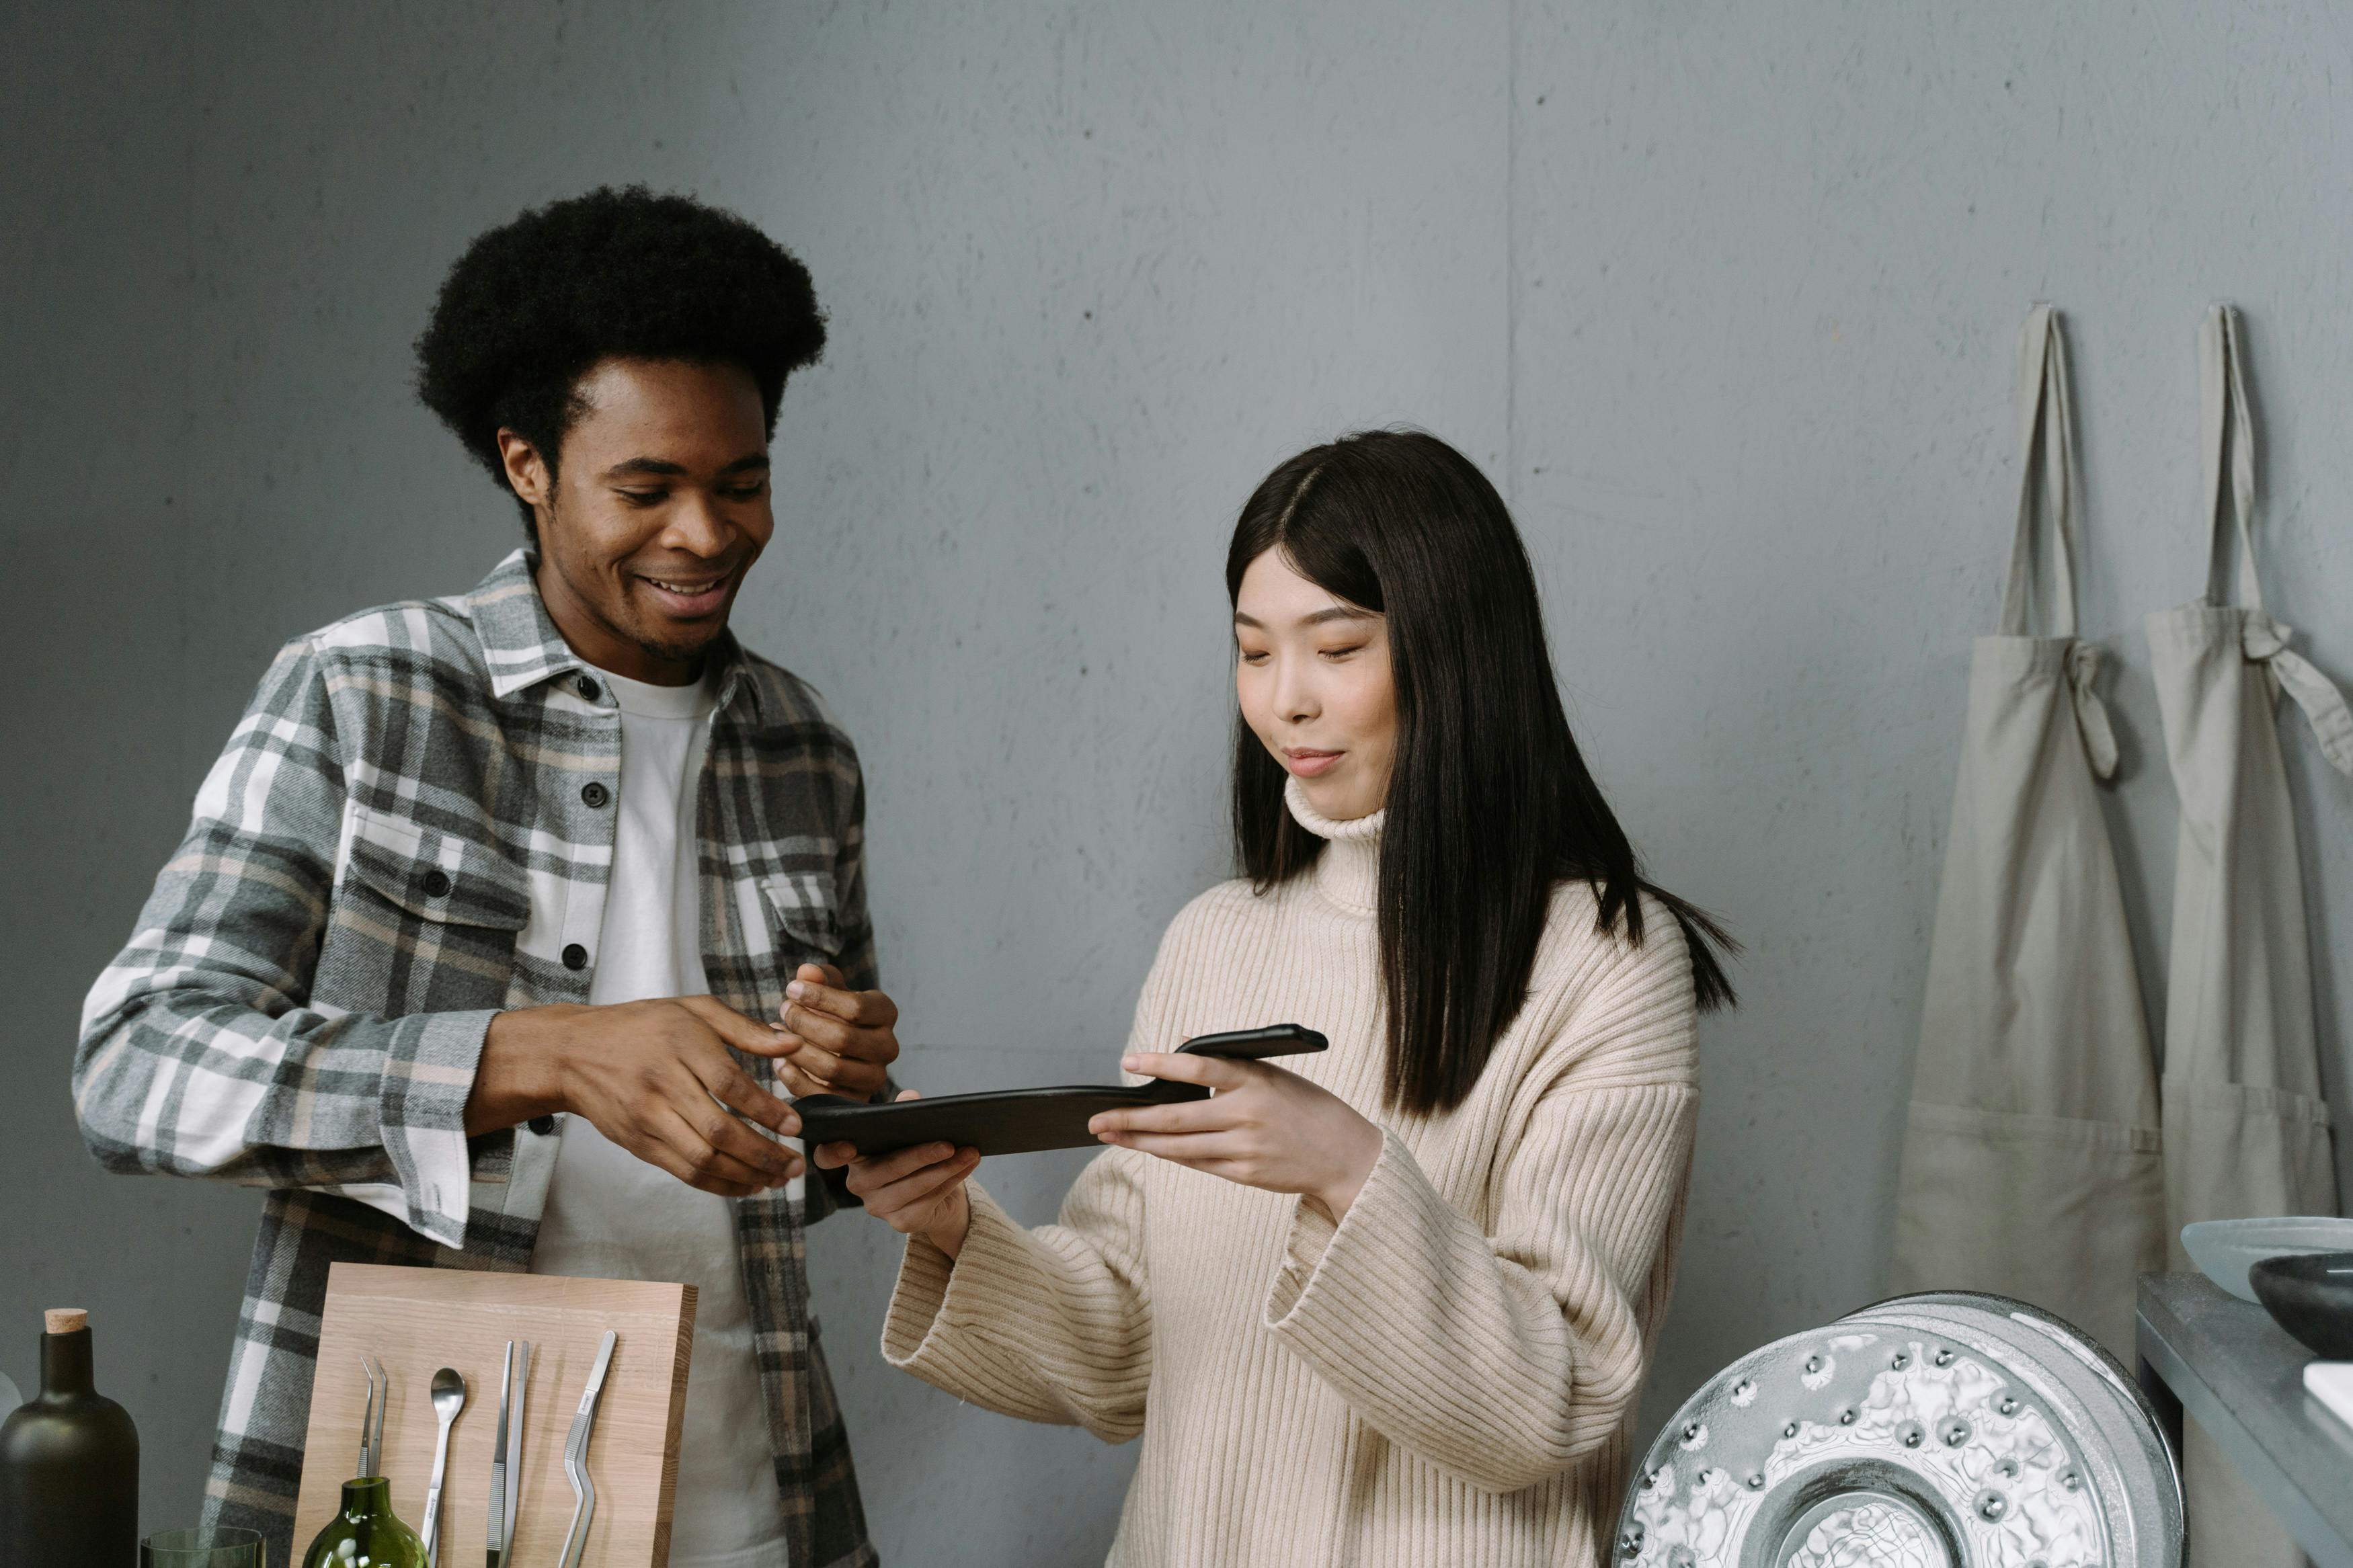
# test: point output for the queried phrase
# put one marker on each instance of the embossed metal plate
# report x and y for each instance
(1947, 1430)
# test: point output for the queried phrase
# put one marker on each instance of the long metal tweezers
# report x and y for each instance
(506, 1452)
(372, 1418)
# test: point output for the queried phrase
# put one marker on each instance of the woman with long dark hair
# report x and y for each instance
(1392, 1303)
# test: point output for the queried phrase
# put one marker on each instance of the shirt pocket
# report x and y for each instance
(424, 919)
(802, 915)
(433, 875)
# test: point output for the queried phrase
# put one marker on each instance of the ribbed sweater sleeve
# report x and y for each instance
(1504, 1358)
(1053, 1324)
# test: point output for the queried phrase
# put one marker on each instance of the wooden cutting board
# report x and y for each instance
(416, 1320)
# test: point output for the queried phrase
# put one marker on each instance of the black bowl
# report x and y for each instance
(2311, 1296)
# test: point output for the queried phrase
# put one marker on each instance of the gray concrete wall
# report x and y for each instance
(1724, 296)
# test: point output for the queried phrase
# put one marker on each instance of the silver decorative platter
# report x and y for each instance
(1945, 1430)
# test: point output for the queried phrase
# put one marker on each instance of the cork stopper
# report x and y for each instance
(66, 1320)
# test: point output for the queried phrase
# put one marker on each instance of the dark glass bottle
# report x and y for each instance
(69, 1463)
(365, 1531)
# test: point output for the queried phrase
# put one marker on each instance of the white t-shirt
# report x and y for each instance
(610, 1216)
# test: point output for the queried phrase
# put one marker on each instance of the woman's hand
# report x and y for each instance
(919, 1191)
(1261, 1127)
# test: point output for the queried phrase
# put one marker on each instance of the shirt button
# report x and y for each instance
(586, 688)
(596, 794)
(437, 883)
(543, 1125)
(575, 956)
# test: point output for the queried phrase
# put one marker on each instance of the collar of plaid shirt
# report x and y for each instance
(408, 832)
(521, 646)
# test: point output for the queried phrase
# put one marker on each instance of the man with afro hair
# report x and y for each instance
(508, 922)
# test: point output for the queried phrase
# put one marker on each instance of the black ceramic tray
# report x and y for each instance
(1023, 1120)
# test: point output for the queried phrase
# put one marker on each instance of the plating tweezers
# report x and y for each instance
(506, 1452)
(372, 1418)
(575, 1457)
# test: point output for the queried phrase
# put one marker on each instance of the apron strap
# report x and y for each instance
(2048, 447)
(2224, 411)
(2046, 443)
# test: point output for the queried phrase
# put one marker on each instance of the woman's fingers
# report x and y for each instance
(1219, 1073)
(1184, 1148)
(910, 1198)
(1184, 1116)
(907, 1201)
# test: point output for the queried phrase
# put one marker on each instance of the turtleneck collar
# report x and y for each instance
(1348, 872)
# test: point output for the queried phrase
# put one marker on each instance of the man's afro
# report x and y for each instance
(533, 304)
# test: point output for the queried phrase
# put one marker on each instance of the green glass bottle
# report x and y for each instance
(364, 1534)
(69, 1463)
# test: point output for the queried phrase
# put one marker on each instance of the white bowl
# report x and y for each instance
(2225, 1249)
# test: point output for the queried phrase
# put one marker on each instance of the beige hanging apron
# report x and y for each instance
(2030, 1164)
(2246, 1132)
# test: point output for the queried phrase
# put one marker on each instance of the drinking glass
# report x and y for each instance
(206, 1546)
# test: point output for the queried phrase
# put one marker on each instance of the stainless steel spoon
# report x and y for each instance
(448, 1398)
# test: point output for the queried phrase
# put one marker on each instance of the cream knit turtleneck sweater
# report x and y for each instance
(1448, 1378)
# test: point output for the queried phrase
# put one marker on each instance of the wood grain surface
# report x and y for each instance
(416, 1320)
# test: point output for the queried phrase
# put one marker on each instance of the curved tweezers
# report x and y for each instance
(575, 1457)
(372, 1418)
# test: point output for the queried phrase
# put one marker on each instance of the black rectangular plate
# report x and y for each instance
(1024, 1120)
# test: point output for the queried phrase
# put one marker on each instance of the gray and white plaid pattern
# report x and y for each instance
(395, 845)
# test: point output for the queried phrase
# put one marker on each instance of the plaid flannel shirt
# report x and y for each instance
(395, 845)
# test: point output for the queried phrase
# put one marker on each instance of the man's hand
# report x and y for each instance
(653, 1077)
(835, 1041)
